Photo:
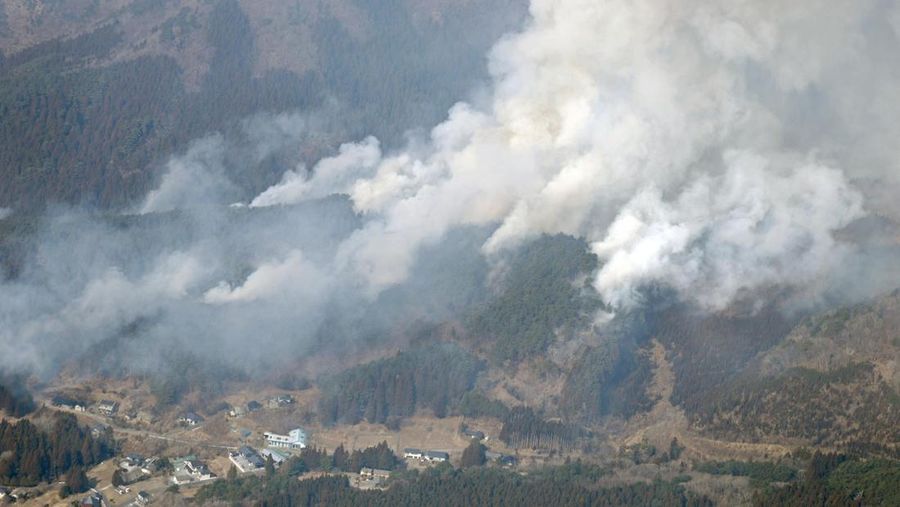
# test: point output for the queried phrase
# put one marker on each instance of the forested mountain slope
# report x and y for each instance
(95, 94)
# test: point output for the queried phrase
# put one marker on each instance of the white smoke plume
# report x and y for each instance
(710, 146)
(293, 279)
(196, 179)
(332, 175)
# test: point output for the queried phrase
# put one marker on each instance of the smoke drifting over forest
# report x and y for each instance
(716, 148)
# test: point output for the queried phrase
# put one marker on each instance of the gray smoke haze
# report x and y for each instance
(716, 148)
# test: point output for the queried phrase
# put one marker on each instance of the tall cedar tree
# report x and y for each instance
(473, 455)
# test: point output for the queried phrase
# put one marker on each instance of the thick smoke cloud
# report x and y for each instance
(713, 147)
(332, 175)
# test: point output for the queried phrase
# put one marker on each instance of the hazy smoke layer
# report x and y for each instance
(714, 147)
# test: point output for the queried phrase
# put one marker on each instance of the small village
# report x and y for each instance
(233, 441)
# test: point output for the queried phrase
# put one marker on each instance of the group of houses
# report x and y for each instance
(429, 456)
(68, 404)
(281, 400)
(105, 407)
(249, 460)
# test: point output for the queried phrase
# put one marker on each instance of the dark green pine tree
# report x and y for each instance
(473, 455)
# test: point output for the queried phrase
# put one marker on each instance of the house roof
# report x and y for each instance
(64, 400)
(95, 500)
(276, 457)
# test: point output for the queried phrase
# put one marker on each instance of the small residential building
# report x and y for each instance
(140, 416)
(151, 466)
(277, 458)
(180, 478)
(68, 403)
(198, 470)
(473, 434)
(134, 459)
(411, 453)
(123, 490)
(282, 400)
(190, 469)
(179, 464)
(190, 418)
(295, 439)
(246, 459)
(374, 473)
(98, 430)
(502, 459)
(93, 500)
(133, 475)
(436, 456)
(508, 461)
(108, 407)
(237, 411)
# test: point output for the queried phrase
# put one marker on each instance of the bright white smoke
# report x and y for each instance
(707, 145)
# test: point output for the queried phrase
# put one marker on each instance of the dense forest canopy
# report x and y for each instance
(15, 400)
(435, 377)
(29, 455)
(543, 292)
(453, 487)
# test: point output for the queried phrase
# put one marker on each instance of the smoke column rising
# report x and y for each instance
(713, 147)
(710, 146)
